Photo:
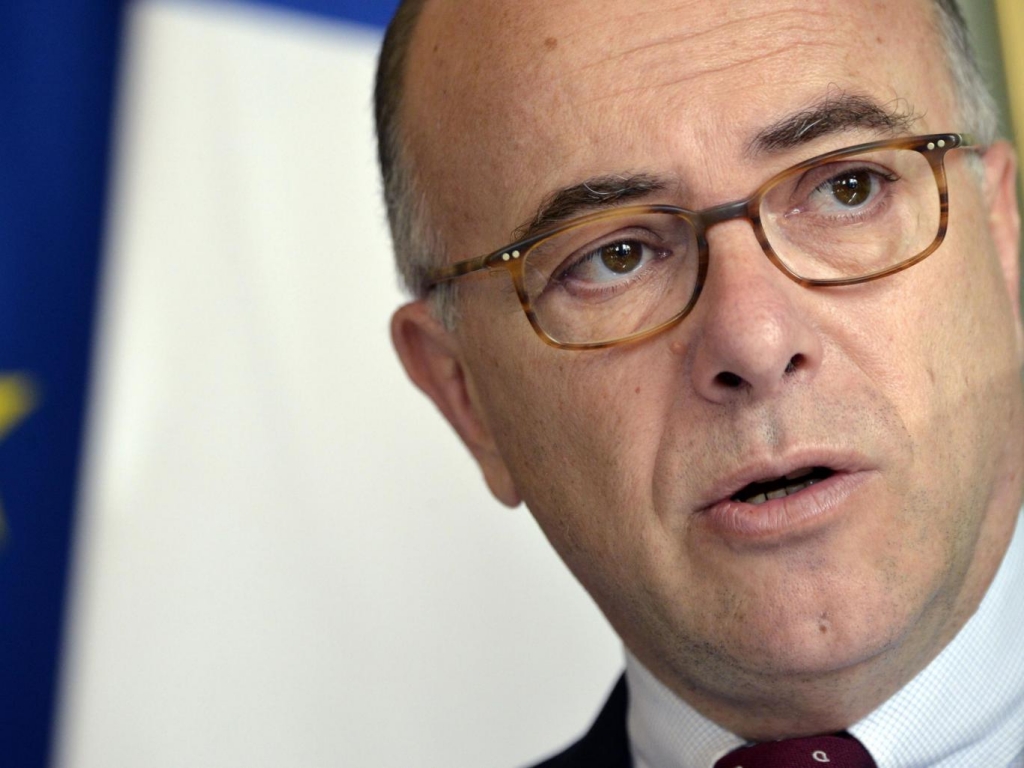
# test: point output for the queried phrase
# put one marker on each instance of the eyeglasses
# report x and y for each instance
(627, 273)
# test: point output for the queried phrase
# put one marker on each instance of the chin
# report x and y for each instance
(817, 649)
(803, 643)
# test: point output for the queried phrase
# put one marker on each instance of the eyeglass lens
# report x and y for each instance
(622, 274)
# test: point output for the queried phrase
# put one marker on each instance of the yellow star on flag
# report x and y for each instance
(17, 400)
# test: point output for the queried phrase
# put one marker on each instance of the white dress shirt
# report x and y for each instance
(964, 710)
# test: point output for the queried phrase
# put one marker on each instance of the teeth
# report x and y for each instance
(761, 498)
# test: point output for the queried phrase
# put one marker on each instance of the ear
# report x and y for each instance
(1004, 221)
(432, 359)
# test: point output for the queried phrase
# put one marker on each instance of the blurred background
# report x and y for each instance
(232, 533)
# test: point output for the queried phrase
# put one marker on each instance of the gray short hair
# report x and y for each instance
(419, 246)
(417, 242)
(978, 112)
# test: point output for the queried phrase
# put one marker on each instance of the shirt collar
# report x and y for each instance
(966, 708)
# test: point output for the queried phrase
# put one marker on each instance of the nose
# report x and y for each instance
(750, 337)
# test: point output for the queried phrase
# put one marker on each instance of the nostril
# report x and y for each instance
(728, 379)
(796, 362)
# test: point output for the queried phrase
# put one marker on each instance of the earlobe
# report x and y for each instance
(1004, 221)
(431, 357)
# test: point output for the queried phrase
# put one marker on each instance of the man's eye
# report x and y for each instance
(609, 262)
(622, 258)
(851, 189)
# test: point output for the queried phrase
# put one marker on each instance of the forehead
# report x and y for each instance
(508, 101)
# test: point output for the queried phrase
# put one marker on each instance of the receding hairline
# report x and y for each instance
(391, 72)
(399, 167)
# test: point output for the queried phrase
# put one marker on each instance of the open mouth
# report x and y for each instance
(794, 482)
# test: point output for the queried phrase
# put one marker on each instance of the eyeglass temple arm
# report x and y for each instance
(452, 271)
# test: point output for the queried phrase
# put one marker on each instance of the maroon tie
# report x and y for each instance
(838, 751)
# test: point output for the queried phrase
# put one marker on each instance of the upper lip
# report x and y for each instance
(771, 468)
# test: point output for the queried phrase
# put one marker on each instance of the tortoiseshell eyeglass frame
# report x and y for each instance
(512, 257)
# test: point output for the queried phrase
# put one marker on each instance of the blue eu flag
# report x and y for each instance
(57, 60)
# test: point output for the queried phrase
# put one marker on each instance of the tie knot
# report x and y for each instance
(838, 751)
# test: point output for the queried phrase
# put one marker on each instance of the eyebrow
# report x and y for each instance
(590, 195)
(833, 114)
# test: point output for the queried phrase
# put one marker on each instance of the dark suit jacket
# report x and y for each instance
(606, 744)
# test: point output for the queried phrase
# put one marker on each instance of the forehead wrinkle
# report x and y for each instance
(762, 57)
(627, 17)
(690, 37)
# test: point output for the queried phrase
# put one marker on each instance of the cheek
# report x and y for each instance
(968, 372)
(579, 432)
(948, 366)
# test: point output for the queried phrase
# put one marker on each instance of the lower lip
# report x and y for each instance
(800, 512)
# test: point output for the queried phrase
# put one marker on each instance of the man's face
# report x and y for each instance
(907, 390)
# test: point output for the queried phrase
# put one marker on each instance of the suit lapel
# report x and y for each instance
(605, 744)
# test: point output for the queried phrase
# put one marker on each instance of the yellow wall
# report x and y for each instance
(1011, 33)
